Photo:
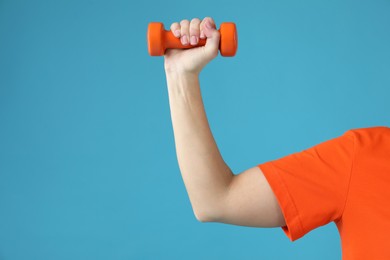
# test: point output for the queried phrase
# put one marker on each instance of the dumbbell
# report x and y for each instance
(160, 39)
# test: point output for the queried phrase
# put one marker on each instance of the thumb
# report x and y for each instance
(213, 37)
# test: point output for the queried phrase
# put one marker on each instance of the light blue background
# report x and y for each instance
(87, 161)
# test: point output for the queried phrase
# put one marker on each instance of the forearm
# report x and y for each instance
(205, 174)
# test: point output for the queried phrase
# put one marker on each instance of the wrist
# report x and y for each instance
(182, 80)
(183, 86)
(177, 74)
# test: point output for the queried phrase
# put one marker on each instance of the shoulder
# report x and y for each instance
(370, 131)
(369, 136)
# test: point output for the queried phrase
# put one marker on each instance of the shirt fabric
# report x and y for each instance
(345, 180)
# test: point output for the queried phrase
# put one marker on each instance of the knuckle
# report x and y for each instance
(194, 31)
(175, 25)
(194, 28)
(195, 20)
(184, 22)
(209, 19)
(201, 26)
(184, 30)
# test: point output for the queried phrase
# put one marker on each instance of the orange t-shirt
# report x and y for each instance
(345, 180)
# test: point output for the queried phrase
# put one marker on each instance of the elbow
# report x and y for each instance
(204, 216)
(210, 212)
(201, 218)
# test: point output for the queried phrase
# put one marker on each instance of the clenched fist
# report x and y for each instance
(192, 60)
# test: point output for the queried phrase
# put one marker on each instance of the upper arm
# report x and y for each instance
(250, 201)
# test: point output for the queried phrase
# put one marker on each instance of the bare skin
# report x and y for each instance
(216, 194)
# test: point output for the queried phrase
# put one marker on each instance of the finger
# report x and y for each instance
(184, 24)
(175, 28)
(202, 36)
(213, 37)
(203, 24)
(194, 31)
(208, 27)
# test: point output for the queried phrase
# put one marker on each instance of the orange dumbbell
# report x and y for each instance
(159, 40)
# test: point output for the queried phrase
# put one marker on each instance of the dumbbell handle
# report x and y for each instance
(171, 42)
(160, 39)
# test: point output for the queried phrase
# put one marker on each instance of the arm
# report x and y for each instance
(216, 194)
(205, 174)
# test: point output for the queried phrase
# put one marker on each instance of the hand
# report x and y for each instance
(192, 60)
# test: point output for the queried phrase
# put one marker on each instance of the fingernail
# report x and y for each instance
(193, 40)
(208, 25)
(177, 33)
(184, 40)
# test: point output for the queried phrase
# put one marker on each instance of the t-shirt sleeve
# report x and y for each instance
(311, 186)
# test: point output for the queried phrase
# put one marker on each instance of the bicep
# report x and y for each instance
(250, 201)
